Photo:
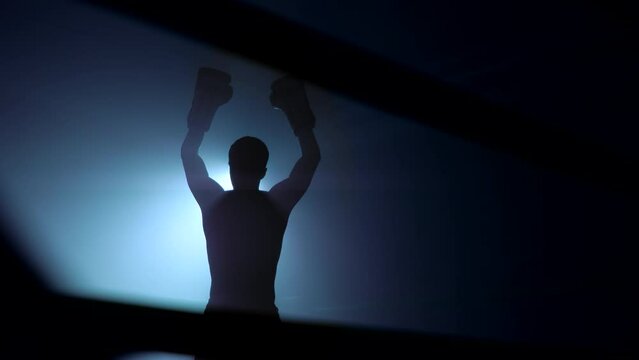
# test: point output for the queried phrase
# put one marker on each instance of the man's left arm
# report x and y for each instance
(203, 188)
(212, 90)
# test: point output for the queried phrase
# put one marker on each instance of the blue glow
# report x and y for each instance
(403, 226)
(155, 356)
(222, 177)
(91, 169)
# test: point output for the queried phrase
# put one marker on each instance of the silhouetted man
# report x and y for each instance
(244, 227)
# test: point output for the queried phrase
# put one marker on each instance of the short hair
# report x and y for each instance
(248, 154)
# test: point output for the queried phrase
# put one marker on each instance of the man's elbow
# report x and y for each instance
(313, 158)
(187, 152)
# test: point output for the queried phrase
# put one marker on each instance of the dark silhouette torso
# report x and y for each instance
(244, 231)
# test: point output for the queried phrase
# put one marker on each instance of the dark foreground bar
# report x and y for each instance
(65, 327)
(360, 75)
(39, 324)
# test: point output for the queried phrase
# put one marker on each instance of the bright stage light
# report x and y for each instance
(221, 175)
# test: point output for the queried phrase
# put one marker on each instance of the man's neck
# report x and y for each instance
(247, 187)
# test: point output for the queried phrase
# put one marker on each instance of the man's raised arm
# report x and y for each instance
(211, 91)
(289, 96)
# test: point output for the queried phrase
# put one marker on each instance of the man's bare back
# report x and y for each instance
(244, 227)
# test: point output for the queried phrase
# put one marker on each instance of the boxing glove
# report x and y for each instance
(212, 89)
(289, 95)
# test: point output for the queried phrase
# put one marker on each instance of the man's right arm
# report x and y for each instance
(289, 191)
(289, 95)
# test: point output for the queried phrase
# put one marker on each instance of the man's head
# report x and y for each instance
(247, 161)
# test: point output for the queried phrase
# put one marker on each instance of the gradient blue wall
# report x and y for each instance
(403, 227)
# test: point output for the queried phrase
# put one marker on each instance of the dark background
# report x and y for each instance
(404, 227)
